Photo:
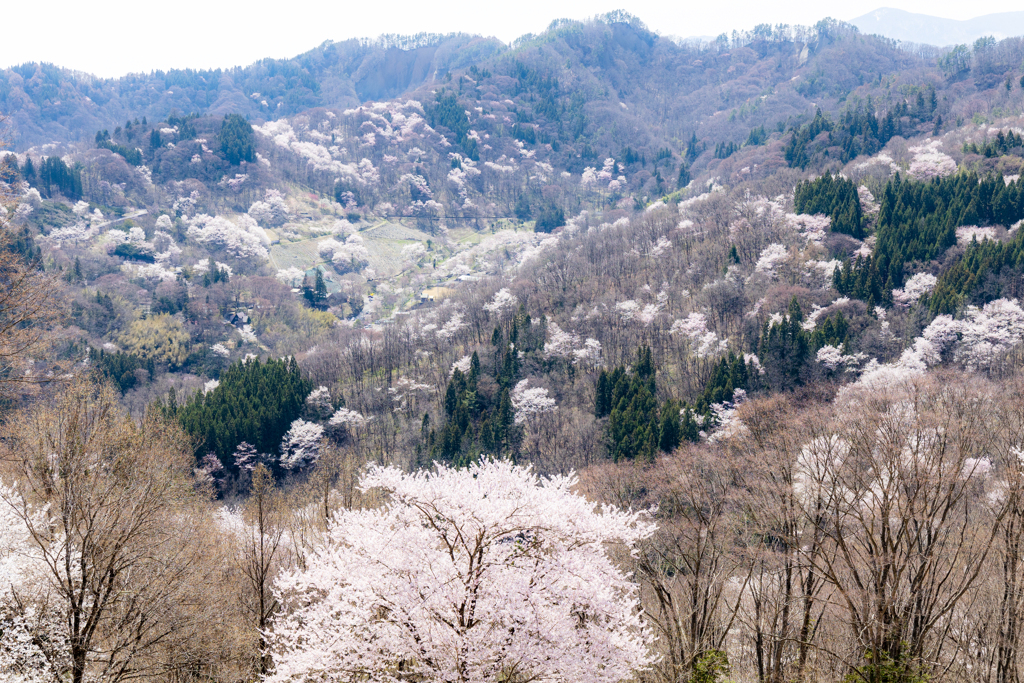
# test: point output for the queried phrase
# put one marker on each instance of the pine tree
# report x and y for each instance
(633, 428)
(319, 288)
(688, 429)
(29, 171)
(603, 396)
(671, 428)
(256, 402)
(834, 196)
(784, 348)
(684, 176)
(237, 140)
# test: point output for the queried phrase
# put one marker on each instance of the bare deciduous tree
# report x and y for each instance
(115, 519)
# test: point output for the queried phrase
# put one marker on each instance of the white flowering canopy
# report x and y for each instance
(916, 287)
(929, 162)
(343, 417)
(242, 239)
(503, 303)
(319, 404)
(771, 257)
(301, 445)
(478, 574)
(561, 344)
(529, 401)
(705, 342)
(23, 584)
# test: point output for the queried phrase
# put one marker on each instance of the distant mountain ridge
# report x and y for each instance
(922, 28)
(595, 88)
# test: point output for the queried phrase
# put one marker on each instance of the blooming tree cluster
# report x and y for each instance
(770, 258)
(929, 162)
(813, 228)
(833, 358)
(272, 210)
(291, 276)
(529, 401)
(243, 239)
(977, 341)
(462, 365)
(504, 303)
(343, 417)
(966, 234)
(868, 205)
(301, 445)
(317, 156)
(728, 424)
(915, 287)
(75, 233)
(318, 405)
(348, 253)
(560, 344)
(475, 574)
(23, 623)
(695, 328)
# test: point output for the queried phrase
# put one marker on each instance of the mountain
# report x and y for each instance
(766, 288)
(922, 28)
(47, 103)
(616, 70)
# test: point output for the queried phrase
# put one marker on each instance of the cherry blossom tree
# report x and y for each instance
(530, 401)
(503, 303)
(916, 287)
(350, 253)
(476, 574)
(966, 234)
(301, 445)
(291, 276)
(832, 358)
(988, 332)
(589, 354)
(343, 422)
(462, 365)
(929, 162)
(319, 405)
(272, 210)
(562, 344)
(243, 239)
(23, 589)
(705, 342)
(771, 257)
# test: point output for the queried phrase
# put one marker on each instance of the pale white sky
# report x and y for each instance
(114, 37)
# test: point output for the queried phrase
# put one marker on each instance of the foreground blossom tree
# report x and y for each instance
(485, 573)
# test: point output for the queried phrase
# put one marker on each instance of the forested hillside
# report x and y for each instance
(714, 350)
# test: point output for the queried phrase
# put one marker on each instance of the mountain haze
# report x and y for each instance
(922, 28)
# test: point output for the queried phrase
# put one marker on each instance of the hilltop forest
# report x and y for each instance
(597, 356)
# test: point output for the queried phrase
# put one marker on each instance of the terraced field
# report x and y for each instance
(395, 231)
(384, 242)
(294, 254)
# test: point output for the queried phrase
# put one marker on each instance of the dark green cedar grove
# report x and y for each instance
(237, 140)
(255, 402)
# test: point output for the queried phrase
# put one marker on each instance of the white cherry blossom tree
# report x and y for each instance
(478, 574)
(301, 445)
(529, 401)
